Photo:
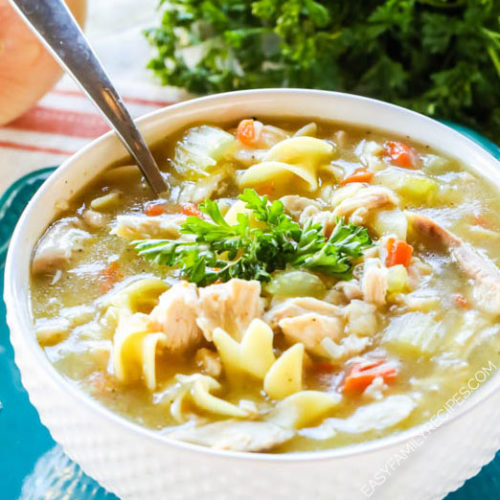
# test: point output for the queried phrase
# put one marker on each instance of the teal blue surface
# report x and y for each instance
(30, 461)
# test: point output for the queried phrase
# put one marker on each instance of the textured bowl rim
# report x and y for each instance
(23, 323)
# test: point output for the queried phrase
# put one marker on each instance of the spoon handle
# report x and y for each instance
(53, 23)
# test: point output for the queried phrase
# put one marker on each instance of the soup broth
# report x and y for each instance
(341, 285)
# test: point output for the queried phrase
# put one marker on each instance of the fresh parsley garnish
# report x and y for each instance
(438, 57)
(250, 250)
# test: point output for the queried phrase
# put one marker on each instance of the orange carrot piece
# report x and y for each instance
(461, 301)
(359, 175)
(323, 367)
(267, 189)
(110, 275)
(398, 252)
(191, 209)
(363, 374)
(154, 209)
(247, 133)
(401, 154)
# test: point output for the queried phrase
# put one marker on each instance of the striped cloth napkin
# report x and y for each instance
(65, 120)
(62, 122)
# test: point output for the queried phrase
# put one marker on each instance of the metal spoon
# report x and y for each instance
(54, 25)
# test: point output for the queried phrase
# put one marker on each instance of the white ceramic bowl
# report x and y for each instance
(133, 462)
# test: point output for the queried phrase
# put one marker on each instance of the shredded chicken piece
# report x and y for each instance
(370, 154)
(235, 435)
(209, 362)
(343, 292)
(347, 348)
(340, 137)
(375, 416)
(300, 305)
(361, 318)
(417, 270)
(374, 282)
(421, 303)
(354, 207)
(357, 207)
(248, 156)
(484, 274)
(52, 331)
(375, 391)
(230, 306)
(135, 227)
(207, 187)
(313, 215)
(307, 211)
(58, 245)
(307, 320)
(94, 219)
(350, 289)
(480, 231)
(335, 297)
(268, 137)
(295, 205)
(311, 329)
(186, 313)
(175, 315)
(430, 229)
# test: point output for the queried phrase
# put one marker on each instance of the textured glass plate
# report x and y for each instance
(32, 465)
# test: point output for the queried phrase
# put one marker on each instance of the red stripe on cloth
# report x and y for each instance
(58, 121)
(31, 147)
(131, 100)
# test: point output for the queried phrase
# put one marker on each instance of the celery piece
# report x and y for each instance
(419, 188)
(390, 222)
(397, 279)
(106, 202)
(415, 186)
(414, 334)
(201, 149)
(296, 284)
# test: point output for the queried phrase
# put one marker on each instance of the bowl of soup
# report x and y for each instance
(310, 310)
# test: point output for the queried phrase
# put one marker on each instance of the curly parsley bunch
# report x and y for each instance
(439, 57)
(221, 251)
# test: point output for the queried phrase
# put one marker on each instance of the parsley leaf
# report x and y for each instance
(221, 251)
(439, 57)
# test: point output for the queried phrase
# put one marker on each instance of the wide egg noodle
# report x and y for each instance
(196, 389)
(254, 355)
(300, 157)
(284, 378)
(303, 408)
(134, 349)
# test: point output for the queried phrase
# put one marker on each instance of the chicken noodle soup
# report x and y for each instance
(301, 286)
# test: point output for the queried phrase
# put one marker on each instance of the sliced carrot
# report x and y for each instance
(323, 367)
(359, 175)
(401, 154)
(266, 189)
(248, 133)
(191, 209)
(154, 209)
(110, 275)
(461, 301)
(363, 374)
(398, 252)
